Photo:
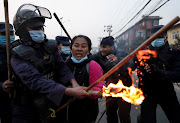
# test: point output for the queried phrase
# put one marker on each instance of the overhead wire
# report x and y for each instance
(154, 5)
(154, 10)
(158, 7)
(130, 12)
(133, 17)
(151, 8)
(119, 10)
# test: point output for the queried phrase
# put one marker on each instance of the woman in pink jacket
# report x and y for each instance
(86, 72)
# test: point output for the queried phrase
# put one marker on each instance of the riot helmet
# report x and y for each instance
(27, 12)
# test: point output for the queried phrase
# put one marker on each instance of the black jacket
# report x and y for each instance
(86, 110)
(4, 97)
(121, 73)
(159, 83)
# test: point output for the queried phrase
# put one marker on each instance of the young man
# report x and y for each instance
(108, 57)
(38, 67)
(5, 85)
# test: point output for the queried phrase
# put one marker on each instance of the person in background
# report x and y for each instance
(156, 81)
(39, 70)
(108, 57)
(5, 84)
(63, 46)
(86, 72)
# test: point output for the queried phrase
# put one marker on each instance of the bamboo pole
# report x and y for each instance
(7, 37)
(127, 58)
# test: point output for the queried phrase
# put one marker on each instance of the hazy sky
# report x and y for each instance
(89, 17)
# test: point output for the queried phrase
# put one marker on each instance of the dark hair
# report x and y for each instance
(82, 36)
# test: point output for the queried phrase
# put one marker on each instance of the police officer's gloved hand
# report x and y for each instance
(152, 69)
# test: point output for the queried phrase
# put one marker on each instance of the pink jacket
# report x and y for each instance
(95, 72)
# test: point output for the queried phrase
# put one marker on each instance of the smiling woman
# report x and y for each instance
(86, 72)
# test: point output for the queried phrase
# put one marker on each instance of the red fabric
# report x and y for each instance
(95, 72)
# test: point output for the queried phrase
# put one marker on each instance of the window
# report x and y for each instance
(156, 22)
(175, 35)
(140, 33)
(143, 24)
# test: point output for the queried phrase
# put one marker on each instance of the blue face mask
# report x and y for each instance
(37, 36)
(78, 61)
(158, 42)
(3, 40)
(65, 49)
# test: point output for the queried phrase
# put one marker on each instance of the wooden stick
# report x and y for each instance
(127, 58)
(101, 116)
(95, 92)
(7, 37)
(55, 15)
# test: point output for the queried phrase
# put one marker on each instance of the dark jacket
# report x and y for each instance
(86, 110)
(33, 78)
(121, 73)
(5, 100)
(158, 83)
(64, 56)
(173, 74)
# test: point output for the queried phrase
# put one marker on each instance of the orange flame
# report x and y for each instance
(143, 55)
(130, 94)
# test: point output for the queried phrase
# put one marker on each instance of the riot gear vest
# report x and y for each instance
(44, 63)
(42, 59)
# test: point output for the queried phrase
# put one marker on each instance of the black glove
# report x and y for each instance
(152, 69)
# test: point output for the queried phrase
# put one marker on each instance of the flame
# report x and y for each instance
(143, 55)
(130, 94)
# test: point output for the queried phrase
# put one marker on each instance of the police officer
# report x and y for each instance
(156, 81)
(63, 46)
(5, 85)
(38, 67)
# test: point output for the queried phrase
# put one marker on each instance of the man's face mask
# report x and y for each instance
(3, 40)
(158, 42)
(37, 36)
(65, 49)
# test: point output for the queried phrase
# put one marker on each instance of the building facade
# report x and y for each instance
(174, 36)
(137, 34)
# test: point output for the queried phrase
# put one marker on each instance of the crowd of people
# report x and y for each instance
(47, 73)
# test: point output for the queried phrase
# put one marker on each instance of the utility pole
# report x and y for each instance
(108, 29)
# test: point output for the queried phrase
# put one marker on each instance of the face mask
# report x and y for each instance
(65, 49)
(3, 40)
(37, 36)
(78, 61)
(158, 42)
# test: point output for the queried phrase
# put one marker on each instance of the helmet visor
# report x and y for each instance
(35, 11)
